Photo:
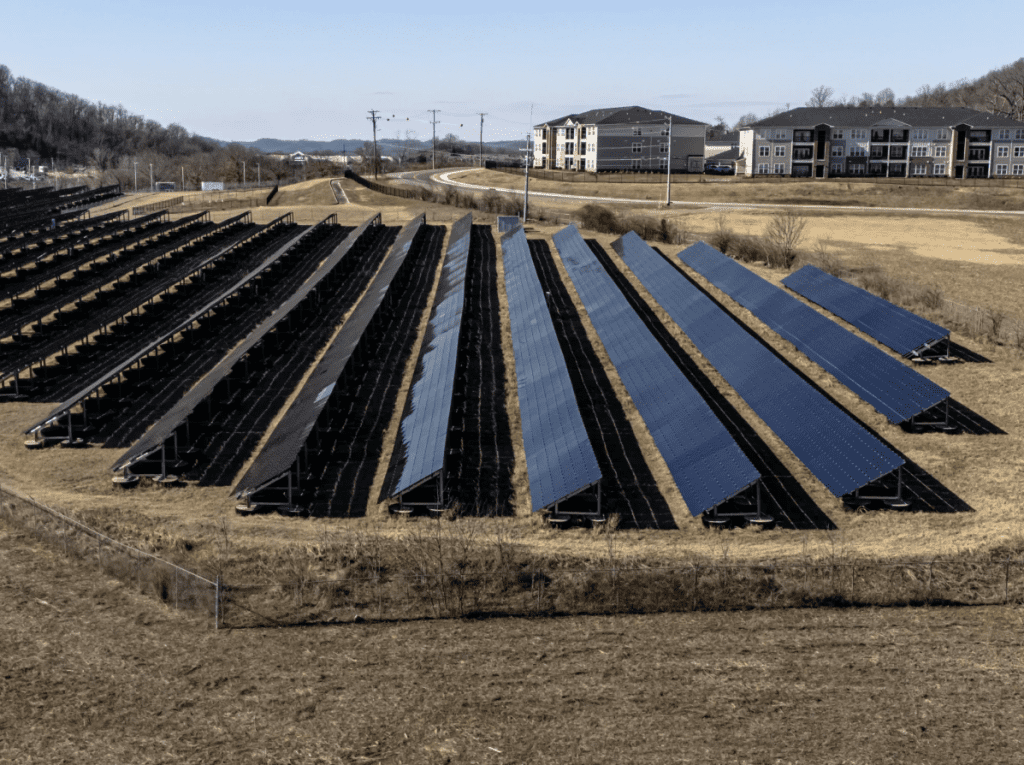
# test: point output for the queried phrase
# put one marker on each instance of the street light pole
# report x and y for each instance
(526, 191)
(482, 138)
(243, 173)
(257, 174)
(668, 191)
(136, 164)
(152, 186)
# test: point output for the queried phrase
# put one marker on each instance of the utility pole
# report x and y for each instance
(243, 173)
(526, 191)
(373, 116)
(482, 137)
(668, 191)
(257, 175)
(433, 153)
(136, 164)
(182, 177)
(152, 186)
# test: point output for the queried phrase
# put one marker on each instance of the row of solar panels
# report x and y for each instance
(707, 465)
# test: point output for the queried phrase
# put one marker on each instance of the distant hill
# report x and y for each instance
(352, 145)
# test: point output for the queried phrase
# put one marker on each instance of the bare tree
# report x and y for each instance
(1007, 88)
(744, 120)
(821, 96)
(782, 235)
(885, 97)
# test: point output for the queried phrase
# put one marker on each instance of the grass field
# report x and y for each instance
(94, 673)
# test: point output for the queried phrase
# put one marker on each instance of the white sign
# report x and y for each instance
(213, 185)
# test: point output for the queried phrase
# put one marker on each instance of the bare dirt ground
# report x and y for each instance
(94, 673)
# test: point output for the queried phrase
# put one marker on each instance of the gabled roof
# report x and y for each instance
(620, 115)
(729, 155)
(904, 116)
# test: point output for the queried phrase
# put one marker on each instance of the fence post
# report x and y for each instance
(216, 603)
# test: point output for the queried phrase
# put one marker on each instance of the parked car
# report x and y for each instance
(718, 168)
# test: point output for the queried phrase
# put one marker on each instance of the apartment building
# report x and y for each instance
(620, 138)
(884, 142)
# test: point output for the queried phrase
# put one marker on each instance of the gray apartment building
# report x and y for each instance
(884, 142)
(620, 138)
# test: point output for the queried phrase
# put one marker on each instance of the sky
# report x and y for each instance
(309, 69)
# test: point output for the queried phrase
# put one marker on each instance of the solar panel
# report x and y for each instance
(892, 326)
(838, 450)
(165, 427)
(507, 223)
(706, 463)
(65, 407)
(560, 461)
(892, 388)
(421, 445)
(283, 447)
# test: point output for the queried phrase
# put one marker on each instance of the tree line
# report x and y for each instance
(1000, 91)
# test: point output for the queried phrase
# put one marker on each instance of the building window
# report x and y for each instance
(858, 134)
(664, 163)
(1003, 151)
(637, 147)
(635, 164)
(941, 135)
(570, 148)
(664, 131)
(858, 151)
(938, 169)
(919, 170)
(1001, 169)
(920, 135)
(1018, 151)
(1003, 134)
(583, 133)
(590, 147)
(780, 168)
(898, 152)
(837, 135)
(857, 170)
(803, 136)
(919, 151)
(636, 131)
(780, 151)
(762, 169)
(780, 135)
(836, 168)
(663, 148)
(570, 132)
(980, 136)
(838, 151)
(940, 151)
(1018, 169)
(764, 151)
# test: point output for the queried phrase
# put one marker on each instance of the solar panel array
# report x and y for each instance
(560, 461)
(136, 354)
(892, 326)
(839, 451)
(422, 438)
(170, 422)
(891, 387)
(283, 447)
(706, 463)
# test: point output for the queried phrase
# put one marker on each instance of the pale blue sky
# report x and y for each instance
(312, 69)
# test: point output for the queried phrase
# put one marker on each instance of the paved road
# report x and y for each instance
(446, 177)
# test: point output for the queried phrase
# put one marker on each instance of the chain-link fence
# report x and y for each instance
(176, 586)
(438, 588)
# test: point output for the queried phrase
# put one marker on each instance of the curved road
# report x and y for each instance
(446, 177)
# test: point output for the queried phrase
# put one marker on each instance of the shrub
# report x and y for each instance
(782, 235)
(723, 236)
(599, 218)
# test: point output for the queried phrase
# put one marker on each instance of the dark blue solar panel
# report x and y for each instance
(706, 463)
(888, 385)
(892, 326)
(559, 458)
(841, 454)
(425, 425)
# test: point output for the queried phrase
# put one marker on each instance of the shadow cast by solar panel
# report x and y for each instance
(966, 354)
(347, 451)
(479, 469)
(783, 496)
(628, 487)
(927, 492)
(962, 419)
